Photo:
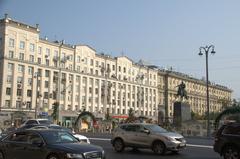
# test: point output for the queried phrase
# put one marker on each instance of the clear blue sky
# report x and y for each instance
(165, 33)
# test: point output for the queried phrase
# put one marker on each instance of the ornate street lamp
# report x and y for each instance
(205, 50)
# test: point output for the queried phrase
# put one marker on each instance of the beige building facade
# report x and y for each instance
(168, 82)
(36, 73)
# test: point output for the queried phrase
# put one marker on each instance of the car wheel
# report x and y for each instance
(159, 148)
(118, 145)
(53, 157)
(1, 155)
(231, 152)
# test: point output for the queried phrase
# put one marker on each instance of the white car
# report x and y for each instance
(36, 121)
(81, 138)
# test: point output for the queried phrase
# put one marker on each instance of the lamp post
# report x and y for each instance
(105, 71)
(59, 61)
(205, 50)
(37, 75)
(139, 79)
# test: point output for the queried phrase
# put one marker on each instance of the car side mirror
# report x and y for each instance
(146, 131)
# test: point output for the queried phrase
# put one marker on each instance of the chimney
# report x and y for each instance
(37, 26)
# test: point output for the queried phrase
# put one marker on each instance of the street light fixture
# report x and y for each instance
(37, 75)
(205, 50)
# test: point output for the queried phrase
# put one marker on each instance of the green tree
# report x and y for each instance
(54, 114)
(131, 116)
(230, 111)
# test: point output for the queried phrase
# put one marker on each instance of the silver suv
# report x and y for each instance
(140, 135)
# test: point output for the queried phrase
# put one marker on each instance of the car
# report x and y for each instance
(150, 136)
(81, 138)
(47, 144)
(227, 141)
(36, 121)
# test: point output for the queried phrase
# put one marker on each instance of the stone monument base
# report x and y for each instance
(182, 112)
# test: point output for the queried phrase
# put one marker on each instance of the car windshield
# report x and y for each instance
(155, 128)
(54, 137)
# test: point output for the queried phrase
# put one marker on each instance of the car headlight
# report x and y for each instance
(169, 138)
(74, 156)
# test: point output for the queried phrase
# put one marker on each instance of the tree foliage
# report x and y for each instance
(234, 109)
(54, 114)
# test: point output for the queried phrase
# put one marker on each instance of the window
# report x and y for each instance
(20, 68)
(70, 67)
(19, 92)
(47, 62)
(30, 70)
(47, 52)
(10, 67)
(119, 68)
(10, 54)
(9, 79)
(8, 91)
(29, 81)
(29, 106)
(7, 103)
(22, 45)
(31, 47)
(21, 56)
(70, 58)
(78, 59)
(46, 84)
(17, 137)
(46, 73)
(39, 60)
(39, 50)
(45, 95)
(31, 58)
(19, 80)
(91, 62)
(78, 68)
(11, 42)
(55, 53)
(232, 129)
(29, 93)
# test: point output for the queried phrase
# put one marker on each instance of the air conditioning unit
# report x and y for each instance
(46, 56)
(19, 85)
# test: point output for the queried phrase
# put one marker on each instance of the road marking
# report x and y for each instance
(201, 146)
(190, 145)
(101, 139)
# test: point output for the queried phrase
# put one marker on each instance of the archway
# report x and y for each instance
(85, 120)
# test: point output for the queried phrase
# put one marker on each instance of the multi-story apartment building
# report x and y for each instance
(36, 73)
(168, 82)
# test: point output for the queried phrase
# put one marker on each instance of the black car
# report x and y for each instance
(46, 144)
(227, 141)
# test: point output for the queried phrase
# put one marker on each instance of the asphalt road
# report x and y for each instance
(198, 148)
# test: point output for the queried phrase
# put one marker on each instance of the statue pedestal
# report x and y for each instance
(182, 112)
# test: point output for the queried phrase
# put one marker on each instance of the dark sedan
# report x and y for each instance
(46, 144)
